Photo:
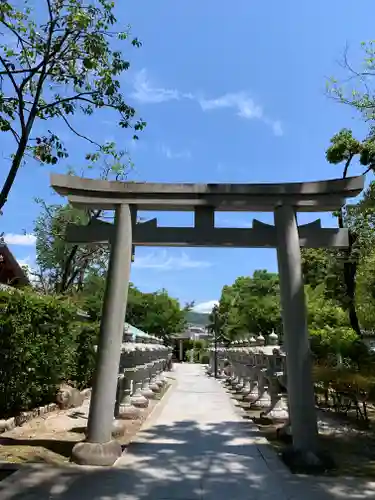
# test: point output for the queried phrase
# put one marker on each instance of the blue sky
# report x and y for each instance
(231, 93)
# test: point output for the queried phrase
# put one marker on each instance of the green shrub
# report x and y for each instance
(204, 358)
(41, 345)
(200, 354)
(86, 339)
(336, 345)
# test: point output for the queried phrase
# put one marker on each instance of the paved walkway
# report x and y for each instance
(195, 446)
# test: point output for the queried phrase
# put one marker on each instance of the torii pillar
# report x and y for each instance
(99, 448)
(294, 315)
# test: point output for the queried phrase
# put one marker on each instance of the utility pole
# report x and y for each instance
(215, 354)
(216, 331)
(216, 327)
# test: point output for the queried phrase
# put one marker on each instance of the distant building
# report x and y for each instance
(11, 273)
(195, 331)
(192, 332)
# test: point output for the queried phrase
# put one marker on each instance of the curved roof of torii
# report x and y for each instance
(317, 196)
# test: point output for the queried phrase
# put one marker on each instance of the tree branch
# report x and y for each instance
(16, 71)
(67, 267)
(368, 170)
(18, 92)
(347, 164)
(10, 28)
(77, 133)
(77, 97)
(15, 134)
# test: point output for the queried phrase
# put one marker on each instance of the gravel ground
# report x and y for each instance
(51, 437)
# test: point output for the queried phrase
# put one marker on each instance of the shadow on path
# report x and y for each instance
(196, 447)
(183, 461)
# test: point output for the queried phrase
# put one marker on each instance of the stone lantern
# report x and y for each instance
(138, 399)
(126, 410)
(153, 365)
(246, 367)
(242, 368)
(221, 359)
(147, 362)
(232, 355)
(252, 387)
(160, 362)
(276, 375)
(263, 400)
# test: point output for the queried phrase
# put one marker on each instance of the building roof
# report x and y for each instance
(135, 332)
(11, 273)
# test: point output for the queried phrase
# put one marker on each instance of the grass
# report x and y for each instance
(50, 451)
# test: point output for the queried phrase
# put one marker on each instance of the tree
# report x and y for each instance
(365, 296)
(326, 267)
(356, 90)
(361, 221)
(315, 263)
(63, 267)
(323, 268)
(155, 313)
(251, 305)
(58, 62)
(322, 311)
(344, 148)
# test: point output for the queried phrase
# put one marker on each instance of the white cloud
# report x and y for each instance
(162, 261)
(175, 155)
(243, 104)
(205, 307)
(145, 92)
(29, 263)
(276, 126)
(25, 262)
(245, 107)
(20, 239)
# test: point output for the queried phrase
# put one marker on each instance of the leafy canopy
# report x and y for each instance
(56, 61)
(250, 305)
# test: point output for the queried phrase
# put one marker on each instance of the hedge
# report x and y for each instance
(42, 344)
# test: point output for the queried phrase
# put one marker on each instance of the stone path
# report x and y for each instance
(194, 446)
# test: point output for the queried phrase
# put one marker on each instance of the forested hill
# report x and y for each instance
(195, 318)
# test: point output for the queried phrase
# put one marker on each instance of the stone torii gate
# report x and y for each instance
(127, 198)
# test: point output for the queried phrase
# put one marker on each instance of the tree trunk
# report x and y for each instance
(67, 269)
(16, 163)
(350, 271)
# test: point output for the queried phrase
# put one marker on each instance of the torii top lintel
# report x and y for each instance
(304, 196)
